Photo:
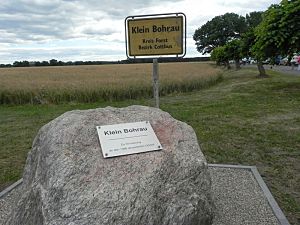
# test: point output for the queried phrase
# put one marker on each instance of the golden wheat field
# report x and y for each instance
(100, 82)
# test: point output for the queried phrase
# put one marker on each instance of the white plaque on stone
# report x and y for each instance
(127, 138)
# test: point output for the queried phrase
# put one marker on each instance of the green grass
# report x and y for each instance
(242, 120)
(250, 121)
(19, 125)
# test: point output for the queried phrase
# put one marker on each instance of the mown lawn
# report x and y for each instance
(242, 120)
(250, 121)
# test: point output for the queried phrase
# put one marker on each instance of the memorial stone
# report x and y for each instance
(67, 181)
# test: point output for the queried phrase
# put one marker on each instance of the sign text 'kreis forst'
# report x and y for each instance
(155, 35)
(127, 138)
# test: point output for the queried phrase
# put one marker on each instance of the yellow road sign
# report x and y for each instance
(155, 36)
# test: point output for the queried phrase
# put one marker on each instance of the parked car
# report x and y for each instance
(277, 59)
(294, 60)
(267, 61)
(244, 61)
(284, 61)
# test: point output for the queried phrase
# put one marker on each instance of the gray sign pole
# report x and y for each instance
(155, 83)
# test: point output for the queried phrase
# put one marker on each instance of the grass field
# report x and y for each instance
(102, 82)
(241, 120)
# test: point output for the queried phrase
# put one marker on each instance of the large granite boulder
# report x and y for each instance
(67, 181)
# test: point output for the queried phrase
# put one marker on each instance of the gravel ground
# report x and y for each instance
(238, 199)
(7, 202)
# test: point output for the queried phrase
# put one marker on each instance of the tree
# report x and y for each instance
(220, 55)
(290, 27)
(53, 62)
(253, 19)
(279, 31)
(265, 32)
(45, 63)
(17, 64)
(21, 64)
(60, 63)
(233, 51)
(248, 39)
(218, 31)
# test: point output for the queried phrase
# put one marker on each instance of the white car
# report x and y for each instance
(284, 61)
(295, 59)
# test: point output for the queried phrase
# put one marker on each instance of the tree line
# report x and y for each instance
(54, 62)
(259, 35)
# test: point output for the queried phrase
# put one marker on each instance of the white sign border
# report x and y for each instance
(155, 16)
(113, 147)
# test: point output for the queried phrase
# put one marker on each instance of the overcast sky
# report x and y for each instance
(71, 30)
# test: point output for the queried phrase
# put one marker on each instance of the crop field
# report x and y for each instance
(40, 85)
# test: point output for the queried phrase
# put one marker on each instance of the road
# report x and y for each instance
(285, 69)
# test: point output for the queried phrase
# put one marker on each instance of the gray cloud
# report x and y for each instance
(39, 28)
(247, 5)
(37, 20)
(61, 53)
(92, 31)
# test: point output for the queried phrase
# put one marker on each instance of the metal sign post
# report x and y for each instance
(155, 77)
(153, 36)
